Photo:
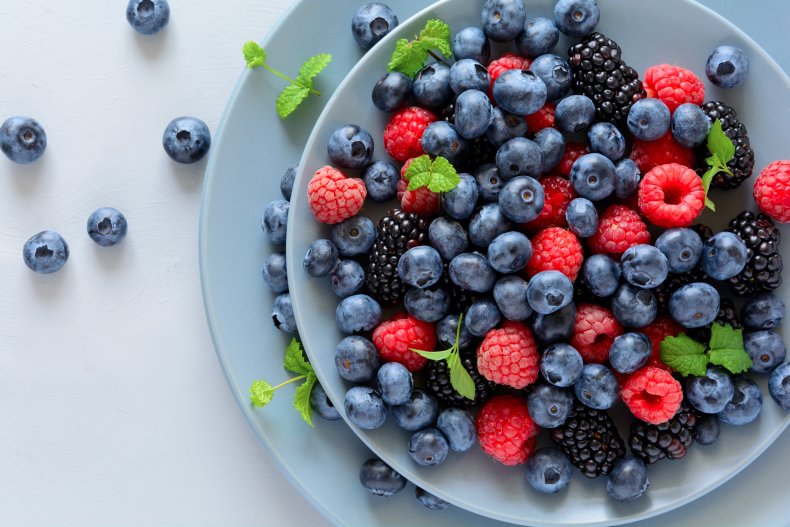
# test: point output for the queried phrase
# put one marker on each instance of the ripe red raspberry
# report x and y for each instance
(662, 327)
(618, 229)
(649, 154)
(673, 85)
(403, 133)
(508, 61)
(505, 429)
(396, 337)
(543, 118)
(594, 331)
(556, 249)
(671, 196)
(421, 201)
(558, 194)
(573, 151)
(772, 191)
(652, 394)
(509, 356)
(333, 197)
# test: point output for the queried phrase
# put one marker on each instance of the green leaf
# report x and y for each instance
(719, 144)
(726, 348)
(261, 393)
(302, 398)
(434, 355)
(724, 336)
(294, 360)
(436, 35)
(254, 54)
(736, 361)
(707, 177)
(438, 175)
(684, 355)
(408, 57)
(311, 68)
(460, 379)
(417, 166)
(290, 99)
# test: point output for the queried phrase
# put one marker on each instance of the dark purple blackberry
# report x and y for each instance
(590, 439)
(397, 232)
(763, 271)
(600, 73)
(439, 382)
(669, 440)
(728, 315)
(742, 165)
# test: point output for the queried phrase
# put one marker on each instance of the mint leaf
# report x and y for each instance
(707, 177)
(311, 68)
(434, 355)
(254, 55)
(418, 165)
(719, 144)
(736, 361)
(460, 379)
(726, 348)
(261, 393)
(684, 355)
(725, 337)
(438, 175)
(302, 398)
(294, 360)
(290, 99)
(408, 57)
(436, 35)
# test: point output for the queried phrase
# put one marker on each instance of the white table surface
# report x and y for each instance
(113, 408)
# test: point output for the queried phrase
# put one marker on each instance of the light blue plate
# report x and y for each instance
(497, 491)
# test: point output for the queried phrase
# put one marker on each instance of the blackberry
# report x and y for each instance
(590, 439)
(763, 271)
(439, 382)
(600, 73)
(742, 165)
(397, 232)
(727, 315)
(669, 440)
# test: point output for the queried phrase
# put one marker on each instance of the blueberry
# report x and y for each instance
(274, 221)
(690, 125)
(440, 138)
(428, 305)
(779, 385)
(574, 113)
(593, 176)
(606, 139)
(519, 157)
(582, 217)
(356, 359)
(350, 146)
(458, 427)
(459, 203)
(745, 405)
(471, 271)
(148, 16)
(486, 224)
(724, 255)
(766, 350)
(648, 119)
(321, 258)
(552, 146)
(576, 18)
(107, 226)
(520, 92)
(45, 252)
(710, 393)
(274, 273)
(764, 311)
(431, 87)
(471, 43)
(628, 479)
(357, 313)
(186, 140)
(391, 91)
(549, 406)
(371, 23)
(503, 20)
(727, 66)
(430, 501)
(347, 278)
(555, 72)
(629, 352)
(380, 479)
(395, 383)
(428, 447)
(354, 236)
(540, 35)
(707, 430)
(556, 327)
(322, 405)
(489, 183)
(634, 307)
(283, 314)
(626, 178)
(481, 317)
(447, 329)
(468, 74)
(287, 182)
(597, 387)
(549, 291)
(694, 305)
(419, 411)
(504, 127)
(381, 180)
(420, 266)
(22, 139)
(509, 252)
(364, 407)
(561, 365)
(682, 248)
(548, 470)
(601, 274)
(448, 237)
(521, 199)
(473, 114)
(644, 266)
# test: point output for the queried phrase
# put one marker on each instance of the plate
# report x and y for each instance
(497, 491)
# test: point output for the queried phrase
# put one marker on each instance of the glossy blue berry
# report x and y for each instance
(22, 139)
(764, 311)
(626, 179)
(606, 139)
(431, 87)
(648, 119)
(629, 352)
(357, 313)
(473, 114)
(448, 237)
(468, 74)
(347, 278)
(644, 266)
(357, 359)
(429, 500)
(509, 252)
(549, 291)
(364, 407)
(766, 349)
(634, 307)
(45, 252)
(504, 127)
(471, 271)
(486, 224)
(628, 480)
(549, 406)
(446, 330)
(322, 405)
(555, 72)
(274, 221)
(601, 274)
(574, 113)
(707, 430)
(459, 203)
(419, 411)
(489, 183)
(186, 140)
(441, 138)
(458, 427)
(556, 327)
(287, 182)
(510, 295)
(540, 35)
(354, 236)
(552, 145)
(380, 479)
(520, 92)
(381, 180)
(471, 43)
(597, 387)
(428, 447)
(711, 392)
(283, 314)
(481, 317)
(391, 91)
(503, 20)
(593, 176)
(682, 248)
(350, 146)
(107, 226)
(148, 16)
(745, 405)
(521, 199)
(519, 157)
(274, 273)
(724, 255)
(371, 23)
(420, 266)
(576, 18)
(395, 383)
(548, 470)
(321, 258)
(582, 217)
(727, 66)
(561, 365)
(779, 385)
(690, 125)
(428, 305)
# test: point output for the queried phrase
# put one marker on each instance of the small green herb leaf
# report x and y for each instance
(719, 144)
(302, 398)
(410, 56)
(438, 175)
(707, 177)
(726, 348)
(311, 68)
(460, 379)
(684, 355)
(434, 355)
(261, 393)
(436, 35)
(254, 54)
(736, 361)
(290, 99)
(294, 360)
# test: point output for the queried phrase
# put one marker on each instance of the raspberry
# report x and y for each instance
(558, 194)
(618, 229)
(403, 133)
(505, 429)
(396, 337)
(508, 61)
(543, 118)
(593, 332)
(556, 249)
(509, 356)
(662, 327)
(573, 151)
(772, 191)
(673, 85)
(333, 197)
(421, 201)
(650, 154)
(652, 394)
(671, 196)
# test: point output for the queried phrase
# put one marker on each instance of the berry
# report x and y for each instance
(634, 307)
(107, 226)
(510, 295)
(380, 479)
(596, 387)
(576, 18)
(428, 305)
(766, 350)
(148, 16)
(287, 181)
(561, 365)
(764, 311)
(274, 272)
(662, 327)
(521, 199)
(673, 86)
(555, 73)
(648, 119)
(727, 66)
(356, 359)
(601, 275)
(430, 501)
(707, 430)
(549, 406)
(458, 427)
(347, 278)
(428, 447)
(711, 392)
(556, 327)
(573, 151)
(350, 146)
(742, 164)
(593, 176)
(504, 127)
(481, 317)
(779, 385)
(420, 266)
(694, 305)
(459, 203)
(274, 221)
(354, 236)
(629, 352)
(439, 381)
(542, 119)
(650, 154)
(186, 139)
(448, 237)
(419, 411)
(472, 272)
(556, 249)
(45, 252)
(644, 266)
(540, 35)
(509, 356)
(508, 61)
(552, 145)
(618, 229)
(468, 74)
(371, 23)
(557, 195)
(628, 480)
(364, 407)
(724, 256)
(431, 87)
(520, 92)
(763, 271)
(727, 315)
(421, 201)
(549, 291)
(357, 313)
(22, 139)
(381, 180)
(519, 157)
(582, 217)
(486, 224)
(403, 132)
(681, 247)
(607, 140)
(772, 191)
(594, 331)
(396, 337)
(574, 113)
(322, 405)
(509, 252)
(653, 395)
(473, 114)
(333, 197)
(489, 183)
(690, 125)
(471, 43)
(391, 91)
(503, 20)
(745, 404)
(671, 196)
(321, 258)
(505, 430)
(548, 470)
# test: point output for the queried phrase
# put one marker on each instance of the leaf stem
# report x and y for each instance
(289, 381)
(289, 79)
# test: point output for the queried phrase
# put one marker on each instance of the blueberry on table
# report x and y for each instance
(711, 392)
(371, 23)
(766, 349)
(274, 272)
(561, 365)
(380, 479)
(779, 385)
(186, 140)
(22, 139)
(574, 113)
(606, 139)
(690, 125)
(354, 236)
(428, 447)
(707, 430)
(458, 427)
(283, 314)
(431, 87)
(274, 221)
(593, 176)
(540, 35)
(504, 127)
(428, 305)
(419, 411)
(46, 252)
(321, 258)
(627, 178)
(648, 119)
(510, 295)
(148, 16)
(556, 327)
(555, 72)
(520, 92)
(633, 306)
(582, 217)
(682, 247)
(503, 20)
(287, 181)
(364, 407)
(356, 359)
(764, 311)
(448, 236)
(597, 387)
(322, 405)
(395, 383)
(381, 180)
(745, 404)
(442, 139)
(549, 406)
(347, 278)
(107, 226)
(429, 500)
(468, 74)
(471, 43)
(644, 266)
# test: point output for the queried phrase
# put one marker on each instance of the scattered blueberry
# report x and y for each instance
(364, 407)
(459, 203)
(350, 146)
(711, 392)
(601, 274)
(107, 226)
(510, 295)
(391, 91)
(322, 405)
(504, 127)
(628, 479)
(540, 35)
(186, 139)
(556, 327)
(471, 271)
(690, 125)
(765, 311)
(347, 278)
(430, 501)
(644, 266)
(468, 74)
(428, 447)
(745, 405)
(357, 313)
(473, 114)
(274, 272)
(606, 139)
(428, 305)
(471, 43)
(597, 387)
(274, 221)
(148, 16)
(395, 383)
(727, 66)
(634, 307)
(682, 248)
(520, 92)
(521, 199)
(22, 139)
(420, 266)
(380, 479)
(694, 305)
(707, 430)
(45, 252)
(561, 365)
(582, 217)
(448, 237)
(549, 406)
(574, 113)
(431, 87)
(555, 72)
(626, 178)
(629, 352)
(381, 180)
(371, 23)
(287, 182)
(446, 330)
(648, 119)
(489, 183)
(549, 291)
(576, 18)
(418, 412)
(357, 359)
(503, 20)
(486, 224)
(552, 146)
(766, 349)
(548, 470)
(779, 385)
(458, 427)
(592, 176)
(509, 252)
(724, 255)
(519, 157)
(354, 236)
(481, 317)
(321, 258)
(283, 313)
(440, 138)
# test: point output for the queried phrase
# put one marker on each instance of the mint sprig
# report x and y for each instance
(261, 392)
(410, 55)
(686, 356)
(460, 379)
(299, 88)
(438, 175)
(722, 151)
